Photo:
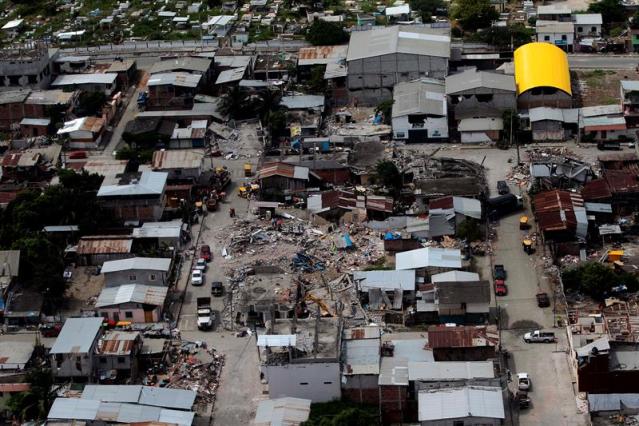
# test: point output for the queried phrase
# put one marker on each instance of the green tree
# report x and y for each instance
(322, 33)
(469, 230)
(316, 82)
(597, 280)
(277, 124)
(474, 14)
(34, 404)
(389, 176)
(386, 109)
(235, 103)
(427, 8)
(267, 101)
(90, 103)
(340, 413)
(41, 266)
(611, 11)
(502, 37)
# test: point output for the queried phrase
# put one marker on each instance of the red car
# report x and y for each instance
(205, 253)
(500, 288)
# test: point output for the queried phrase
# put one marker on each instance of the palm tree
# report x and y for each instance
(234, 102)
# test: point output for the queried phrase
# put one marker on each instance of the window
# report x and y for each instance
(102, 360)
(304, 383)
(593, 29)
(128, 314)
(580, 29)
(546, 38)
(152, 277)
(328, 383)
(564, 37)
(104, 315)
(400, 134)
(78, 359)
(458, 423)
(121, 360)
(132, 277)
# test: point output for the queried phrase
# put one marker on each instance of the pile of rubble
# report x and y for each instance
(190, 372)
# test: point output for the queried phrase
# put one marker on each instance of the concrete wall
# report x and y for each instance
(544, 97)
(317, 381)
(136, 310)
(385, 71)
(362, 388)
(465, 421)
(74, 364)
(135, 276)
(471, 106)
(435, 125)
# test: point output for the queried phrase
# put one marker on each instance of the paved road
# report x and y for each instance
(602, 61)
(240, 387)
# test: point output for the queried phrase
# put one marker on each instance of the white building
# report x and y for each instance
(588, 25)
(419, 111)
(469, 405)
(561, 34)
(73, 352)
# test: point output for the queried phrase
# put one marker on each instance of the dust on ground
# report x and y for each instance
(83, 290)
(600, 87)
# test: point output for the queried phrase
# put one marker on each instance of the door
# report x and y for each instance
(116, 316)
(417, 135)
(148, 316)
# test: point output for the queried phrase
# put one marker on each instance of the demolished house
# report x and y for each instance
(560, 216)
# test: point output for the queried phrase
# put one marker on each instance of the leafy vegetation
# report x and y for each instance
(502, 37)
(388, 175)
(469, 230)
(597, 280)
(427, 8)
(474, 14)
(386, 109)
(33, 404)
(340, 413)
(611, 11)
(322, 33)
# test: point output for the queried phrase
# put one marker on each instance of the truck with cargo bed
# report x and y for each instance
(539, 336)
(503, 205)
(205, 315)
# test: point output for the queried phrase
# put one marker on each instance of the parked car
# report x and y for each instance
(500, 272)
(523, 399)
(197, 277)
(50, 330)
(523, 382)
(502, 187)
(500, 288)
(217, 288)
(201, 265)
(543, 301)
(539, 336)
(205, 253)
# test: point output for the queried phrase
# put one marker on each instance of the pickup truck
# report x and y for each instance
(539, 336)
(500, 272)
(500, 288)
(205, 316)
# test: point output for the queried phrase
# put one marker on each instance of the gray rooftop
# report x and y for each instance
(14, 354)
(421, 41)
(78, 79)
(132, 293)
(140, 263)
(390, 280)
(464, 292)
(554, 114)
(450, 370)
(282, 412)
(613, 401)
(9, 263)
(13, 96)
(180, 399)
(544, 27)
(362, 356)
(630, 85)
(188, 63)
(150, 183)
(77, 336)
(180, 79)
(454, 276)
(454, 403)
(480, 124)
(593, 111)
(424, 96)
(49, 97)
(303, 102)
(474, 81)
(588, 19)
(428, 257)
(231, 75)
(170, 229)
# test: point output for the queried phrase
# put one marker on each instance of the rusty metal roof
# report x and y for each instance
(321, 55)
(132, 293)
(118, 342)
(596, 189)
(177, 159)
(555, 210)
(283, 169)
(441, 203)
(14, 387)
(107, 244)
(621, 181)
(441, 336)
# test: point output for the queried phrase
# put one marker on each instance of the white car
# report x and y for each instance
(523, 382)
(201, 265)
(197, 277)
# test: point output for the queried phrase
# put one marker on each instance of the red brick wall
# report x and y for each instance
(10, 113)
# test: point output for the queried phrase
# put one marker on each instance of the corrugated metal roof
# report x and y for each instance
(621, 181)
(450, 370)
(358, 333)
(425, 96)
(466, 292)
(541, 65)
(232, 75)
(597, 110)
(276, 340)
(118, 342)
(554, 114)
(421, 41)
(282, 412)
(389, 280)
(362, 356)
(13, 96)
(461, 336)
(136, 293)
(612, 401)
(14, 387)
(479, 82)
(598, 207)
(180, 79)
(188, 63)
(77, 335)
(596, 189)
(588, 19)
(77, 79)
(428, 257)
(145, 395)
(554, 27)
(73, 408)
(480, 124)
(303, 102)
(108, 244)
(553, 9)
(168, 398)
(150, 183)
(454, 276)
(142, 263)
(15, 354)
(169, 229)
(321, 55)
(283, 169)
(177, 159)
(449, 403)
